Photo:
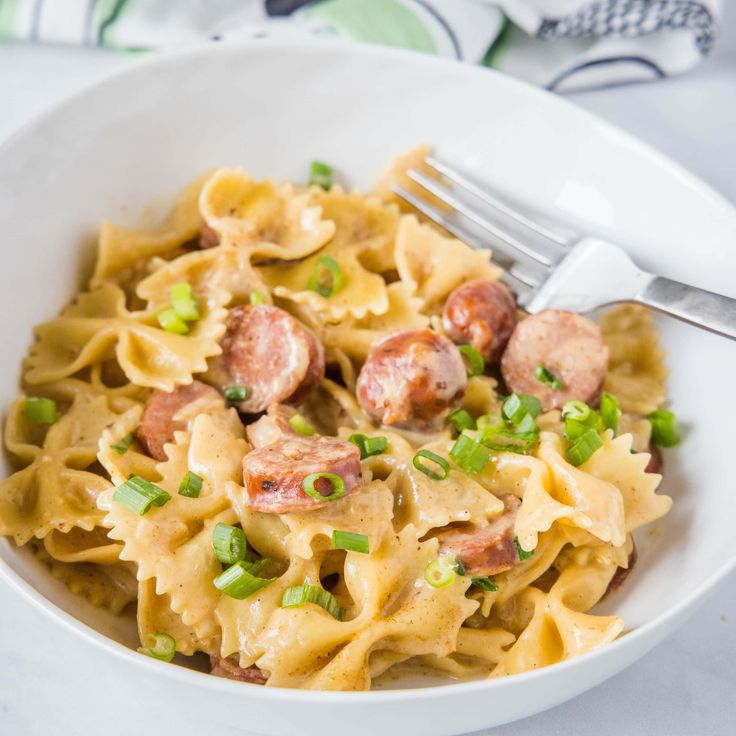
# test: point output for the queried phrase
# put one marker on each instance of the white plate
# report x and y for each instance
(272, 108)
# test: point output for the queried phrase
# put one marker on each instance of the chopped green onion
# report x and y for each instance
(229, 543)
(164, 647)
(235, 393)
(320, 175)
(139, 495)
(39, 410)
(191, 485)
(610, 411)
(256, 298)
(301, 426)
(326, 277)
(122, 445)
(470, 455)
(488, 584)
(460, 419)
(545, 376)
(440, 572)
(306, 593)
(577, 410)
(476, 364)
(172, 322)
(336, 483)
(369, 446)
(517, 406)
(490, 422)
(521, 552)
(507, 440)
(527, 424)
(436, 459)
(184, 303)
(584, 446)
(665, 431)
(350, 541)
(240, 580)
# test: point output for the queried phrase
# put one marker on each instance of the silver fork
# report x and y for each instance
(550, 266)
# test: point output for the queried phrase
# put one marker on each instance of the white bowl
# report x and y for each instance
(138, 137)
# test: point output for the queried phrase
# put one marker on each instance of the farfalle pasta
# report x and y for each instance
(308, 435)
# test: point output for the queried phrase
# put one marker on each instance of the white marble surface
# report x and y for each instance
(53, 682)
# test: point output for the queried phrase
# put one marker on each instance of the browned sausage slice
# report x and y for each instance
(656, 461)
(482, 314)
(157, 425)
(270, 353)
(271, 427)
(622, 573)
(228, 667)
(412, 378)
(570, 346)
(273, 475)
(208, 238)
(489, 550)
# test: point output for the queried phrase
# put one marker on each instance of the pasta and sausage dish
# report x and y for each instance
(306, 434)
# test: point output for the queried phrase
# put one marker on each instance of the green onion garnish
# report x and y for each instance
(508, 440)
(527, 424)
(577, 410)
(369, 446)
(545, 376)
(240, 580)
(488, 584)
(336, 483)
(320, 175)
(139, 495)
(470, 455)
(122, 445)
(235, 393)
(164, 647)
(517, 406)
(490, 422)
(579, 418)
(39, 410)
(301, 426)
(610, 411)
(521, 552)
(584, 446)
(436, 459)
(326, 277)
(306, 593)
(191, 485)
(439, 573)
(350, 541)
(460, 419)
(229, 543)
(256, 298)
(184, 303)
(172, 322)
(665, 431)
(476, 365)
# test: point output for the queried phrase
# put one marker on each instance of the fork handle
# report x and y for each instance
(702, 308)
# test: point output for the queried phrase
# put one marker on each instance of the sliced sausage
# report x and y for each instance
(269, 352)
(570, 346)
(208, 238)
(482, 314)
(489, 550)
(656, 461)
(412, 378)
(157, 425)
(621, 573)
(273, 475)
(271, 427)
(228, 667)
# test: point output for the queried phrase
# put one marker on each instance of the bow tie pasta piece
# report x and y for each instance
(433, 265)
(224, 272)
(636, 371)
(98, 325)
(55, 490)
(272, 218)
(616, 464)
(123, 248)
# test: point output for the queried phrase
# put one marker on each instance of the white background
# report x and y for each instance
(53, 682)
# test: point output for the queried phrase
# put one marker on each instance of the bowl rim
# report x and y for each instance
(185, 675)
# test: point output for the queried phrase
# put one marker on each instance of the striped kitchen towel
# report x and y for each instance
(564, 45)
